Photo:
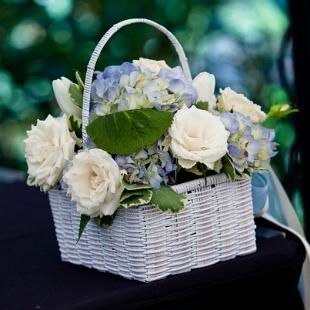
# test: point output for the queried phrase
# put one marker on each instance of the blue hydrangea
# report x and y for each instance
(127, 87)
(250, 146)
(152, 165)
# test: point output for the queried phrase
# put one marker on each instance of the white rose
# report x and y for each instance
(204, 83)
(48, 146)
(229, 100)
(61, 91)
(197, 136)
(150, 65)
(94, 183)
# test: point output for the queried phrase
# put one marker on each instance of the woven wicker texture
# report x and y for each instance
(146, 244)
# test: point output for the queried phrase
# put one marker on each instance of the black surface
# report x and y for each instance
(33, 277)
(299, 11)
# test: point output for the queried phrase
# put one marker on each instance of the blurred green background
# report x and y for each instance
(238, 41)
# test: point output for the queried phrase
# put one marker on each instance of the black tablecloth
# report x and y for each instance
(33, 277)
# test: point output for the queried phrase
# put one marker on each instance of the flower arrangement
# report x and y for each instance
(150, 128)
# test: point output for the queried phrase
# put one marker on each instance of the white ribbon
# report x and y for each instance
(293, 226)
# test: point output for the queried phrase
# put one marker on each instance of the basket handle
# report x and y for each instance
(94, 57)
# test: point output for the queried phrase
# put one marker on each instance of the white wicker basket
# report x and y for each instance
(145, 243)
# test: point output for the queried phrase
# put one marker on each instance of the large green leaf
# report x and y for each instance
(83, 222)
(127, 132)
(166, 199)
(133, 198)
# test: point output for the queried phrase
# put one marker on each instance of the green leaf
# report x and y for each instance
(79, 80)
(127, 132)
(166, 199)
(247, 172)
(229, 168)
(76, 94)
(134, 186)
(104, 221)
(195, 170)
(218, 165)
(203, 169)
(75, 125)
(202, 105)
(133, 198)
(278, 111)
(31, 181)
(83, 222)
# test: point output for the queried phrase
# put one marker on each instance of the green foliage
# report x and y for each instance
(105, 221)
(202, 105)
(135, 195)
(30, 181)
(83, 222)
(42, 41)
(166, 199)
(76, 94)
(75, 126)
(127, 132)
(133, 198)
(229, 167)
(195, 170)
(133, 186)
(218, 165)
(285, 135)
(79, 80)
(203, 169)
(279, 111)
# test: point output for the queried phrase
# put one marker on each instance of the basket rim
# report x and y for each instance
(200, 182)
(189, 185)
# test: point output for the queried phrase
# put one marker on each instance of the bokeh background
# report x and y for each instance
(245, 44)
